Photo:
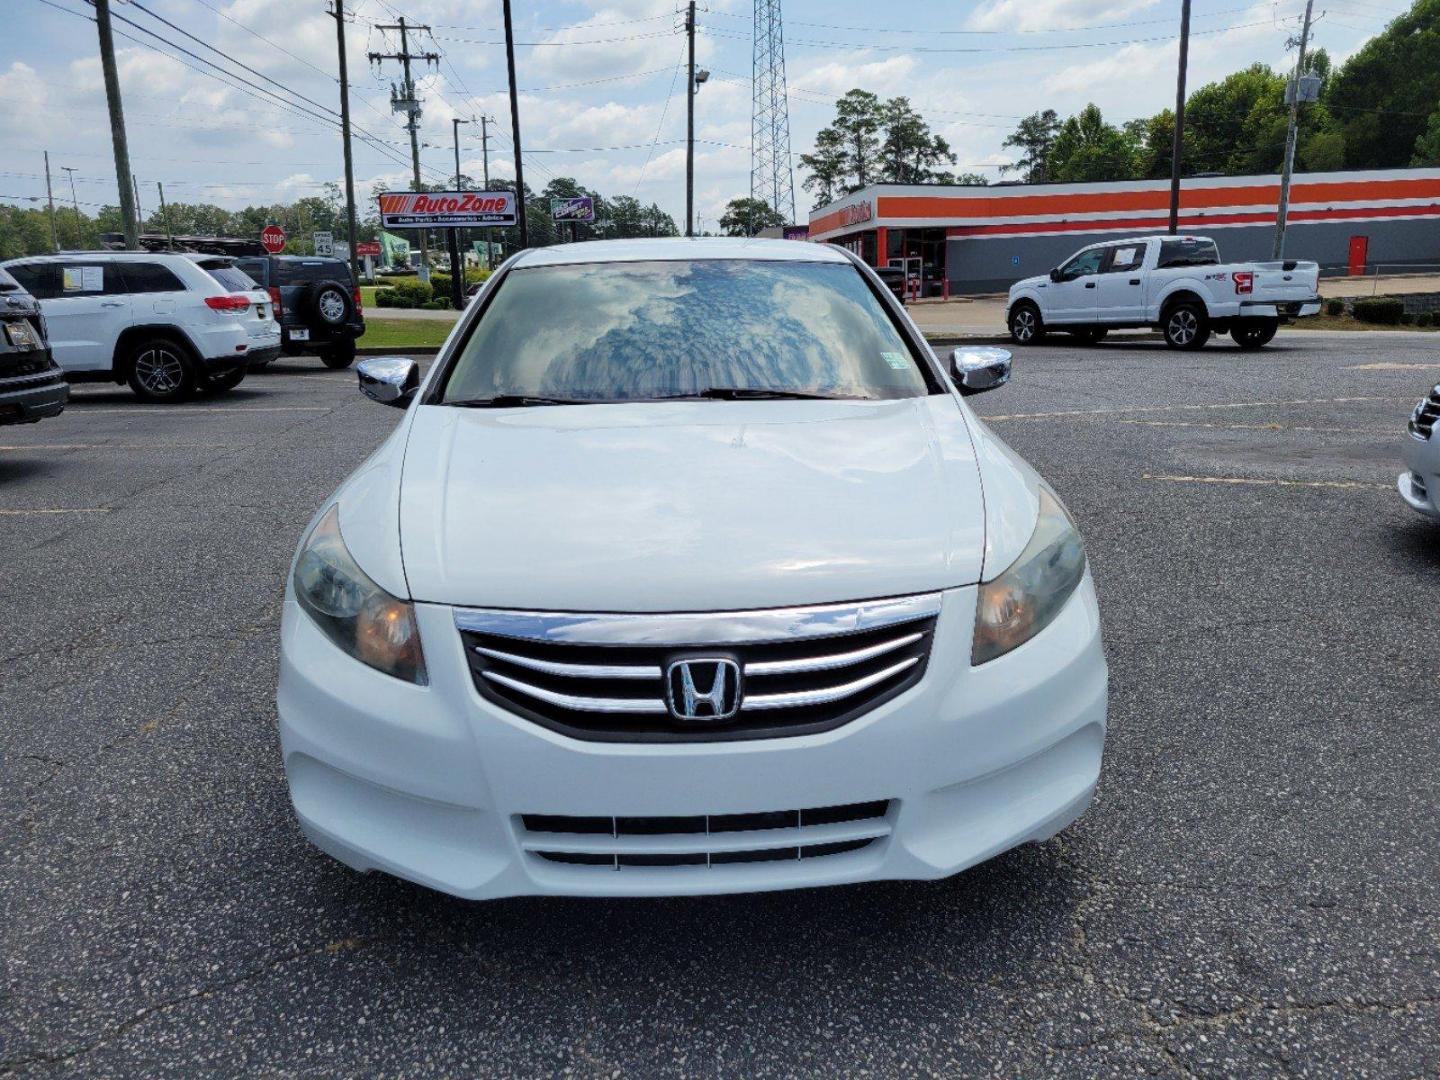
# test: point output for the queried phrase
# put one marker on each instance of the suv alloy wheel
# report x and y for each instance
(160, 371)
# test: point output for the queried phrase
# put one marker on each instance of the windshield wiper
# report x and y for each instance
(519, 401)
(755, 393)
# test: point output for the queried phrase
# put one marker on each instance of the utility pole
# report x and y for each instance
(339, 16)
(117, 125)
(485, 122)
(50, 197)
(690, 125)
(408, 104)
(457, 264)
(515, 128)
(79, 236)
(1283, 211)
(1178, 143)
(139, 211)
(165, 216)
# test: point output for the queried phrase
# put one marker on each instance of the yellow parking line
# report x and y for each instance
(1262, 481)
(1183, 408)
(57, 510)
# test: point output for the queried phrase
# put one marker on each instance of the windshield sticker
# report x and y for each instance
(895, 360)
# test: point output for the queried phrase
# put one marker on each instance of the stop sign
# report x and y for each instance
(272, 237)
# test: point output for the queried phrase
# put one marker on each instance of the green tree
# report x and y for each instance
(1383, 96)
(910, 153)
(827, 167)
(1087, 148)
(1233, 122)
(1034, 137)
(857, 122)
(746, 216)
(1427, 147)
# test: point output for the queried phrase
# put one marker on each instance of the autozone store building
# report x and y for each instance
(982, 239)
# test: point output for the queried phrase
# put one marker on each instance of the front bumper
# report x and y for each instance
(1419, 485)
(428, 783)
(26, 399)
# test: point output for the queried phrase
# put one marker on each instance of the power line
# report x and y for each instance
(928, 32)
(256, 34)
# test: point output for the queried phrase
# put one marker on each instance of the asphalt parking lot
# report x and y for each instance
(1256, 892)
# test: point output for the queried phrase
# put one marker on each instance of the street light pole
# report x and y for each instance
(50, 197)
(79, 237)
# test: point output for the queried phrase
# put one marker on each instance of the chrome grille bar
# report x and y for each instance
(826, 663)
(824, 695)
(577, 671)
(583, 704)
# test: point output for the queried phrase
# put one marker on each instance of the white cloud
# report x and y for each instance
(1033, 15)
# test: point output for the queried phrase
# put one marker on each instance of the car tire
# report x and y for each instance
(338, 357)
(224, 382)
(331, 303)
(160, 371)
(1090, 335)
(1254, 333)
(1026, 325)
(1186, 325)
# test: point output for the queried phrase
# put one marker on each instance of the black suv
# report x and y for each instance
(317, 302)
(32, 385)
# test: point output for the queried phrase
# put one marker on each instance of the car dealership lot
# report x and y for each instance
(1257, 889)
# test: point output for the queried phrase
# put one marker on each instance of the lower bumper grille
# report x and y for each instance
(713, 676)
(615, 843)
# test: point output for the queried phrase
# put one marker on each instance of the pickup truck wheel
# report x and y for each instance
(1186, 326)
(1254, 333)
(1026, 326)
(160, 371)
(1090, 335)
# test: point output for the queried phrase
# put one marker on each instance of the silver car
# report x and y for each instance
(1420, 484)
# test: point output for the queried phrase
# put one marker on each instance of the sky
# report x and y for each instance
(602, 86)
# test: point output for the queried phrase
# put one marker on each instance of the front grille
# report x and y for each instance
(704, 840)
(1422, 421)
(606, 677)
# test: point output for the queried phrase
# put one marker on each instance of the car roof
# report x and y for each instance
(62, 256)
(674, 248)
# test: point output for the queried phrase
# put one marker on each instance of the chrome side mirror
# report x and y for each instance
(390, 380)
(979, 368)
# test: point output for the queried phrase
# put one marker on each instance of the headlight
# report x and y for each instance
(1025, 599)
(356, 614)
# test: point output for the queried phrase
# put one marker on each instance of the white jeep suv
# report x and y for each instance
(159, 321)
(688, 570)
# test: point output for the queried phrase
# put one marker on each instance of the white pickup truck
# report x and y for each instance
(1176, 284)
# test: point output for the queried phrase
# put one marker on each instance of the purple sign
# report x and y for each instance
(581, 208)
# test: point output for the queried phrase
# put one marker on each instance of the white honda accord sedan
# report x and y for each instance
(688, 570)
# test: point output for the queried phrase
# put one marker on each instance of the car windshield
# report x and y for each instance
(636, 331)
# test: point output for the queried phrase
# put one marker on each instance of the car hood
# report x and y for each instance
(689, 506)
(1030, 283)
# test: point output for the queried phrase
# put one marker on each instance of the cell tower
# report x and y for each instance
(771, 176)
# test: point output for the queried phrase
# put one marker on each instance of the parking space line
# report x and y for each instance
(57, 510)
(167, 409)
(1255, 427)
(1263, 481)
(1183, 408)
(1390, 365)
(122, 446)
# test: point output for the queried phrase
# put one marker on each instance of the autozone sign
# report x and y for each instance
(446, 209)
(855, 213)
